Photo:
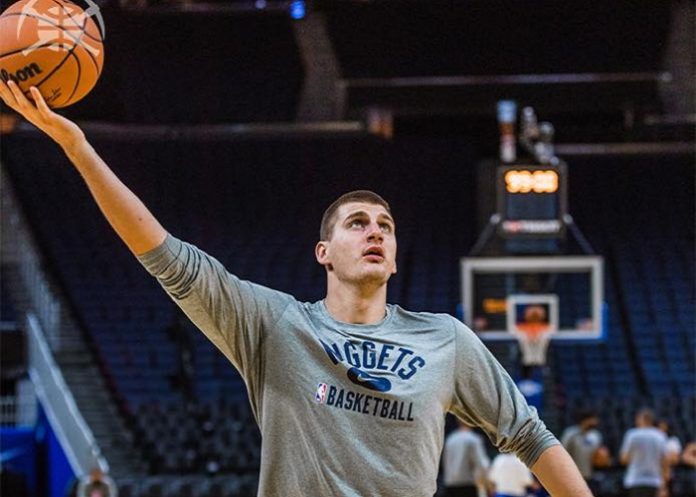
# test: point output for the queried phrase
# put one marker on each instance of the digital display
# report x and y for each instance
(539, 181)
(531, 200)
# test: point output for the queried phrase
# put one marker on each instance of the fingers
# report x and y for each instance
(35, 112)
(6, 95)
(21, 100)
(41, 104)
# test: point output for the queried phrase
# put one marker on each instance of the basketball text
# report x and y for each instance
(27, 72)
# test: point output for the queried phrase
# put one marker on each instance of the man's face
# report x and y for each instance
(362, 248)
(590, 423)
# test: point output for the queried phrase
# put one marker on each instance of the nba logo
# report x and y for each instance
(320, 394)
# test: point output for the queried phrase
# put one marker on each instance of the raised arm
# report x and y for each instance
(126, 214)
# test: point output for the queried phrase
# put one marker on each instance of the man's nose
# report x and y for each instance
(375, 233)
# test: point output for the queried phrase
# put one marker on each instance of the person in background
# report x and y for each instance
(509, 477)
(583, 441)
(97, 484)
(688, 457)
(465, 462)
(673, 450)
(643, 451)
(673, 447)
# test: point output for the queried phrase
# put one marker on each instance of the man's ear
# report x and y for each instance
(321, 252)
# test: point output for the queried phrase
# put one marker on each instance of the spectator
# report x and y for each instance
(465, 462)
(96, 484)
(673, 450)
(583, 441)
(689, 455)
(643, 450)
(509, 477)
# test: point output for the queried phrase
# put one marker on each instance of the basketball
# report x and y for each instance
(51, 44)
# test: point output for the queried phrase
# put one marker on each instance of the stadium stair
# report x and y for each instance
(86, 383)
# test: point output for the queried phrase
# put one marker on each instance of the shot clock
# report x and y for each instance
(532, 200)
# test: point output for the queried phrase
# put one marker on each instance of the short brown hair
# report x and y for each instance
(328, 219)
(647, 415)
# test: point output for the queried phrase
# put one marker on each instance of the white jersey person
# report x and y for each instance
(509, 477)
(673, 451)
(673, 446)
(465, 462)
(350, 393)
(643, 450)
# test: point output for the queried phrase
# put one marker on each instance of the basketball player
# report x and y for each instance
(643, 452)
(464, 462)
(583, 441)
(508, 477)
(350, 393)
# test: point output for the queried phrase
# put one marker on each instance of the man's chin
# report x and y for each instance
(377, 275)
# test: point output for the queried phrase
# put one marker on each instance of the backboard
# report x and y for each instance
(570, 289)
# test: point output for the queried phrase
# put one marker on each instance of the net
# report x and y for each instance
(533, 319)
(533, 347)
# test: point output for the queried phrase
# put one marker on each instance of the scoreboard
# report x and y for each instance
(532, 200)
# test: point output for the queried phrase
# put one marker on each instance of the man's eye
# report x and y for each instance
(386, 228)
(356, 224)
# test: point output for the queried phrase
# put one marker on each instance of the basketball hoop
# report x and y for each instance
(533, 319)
(533, 347)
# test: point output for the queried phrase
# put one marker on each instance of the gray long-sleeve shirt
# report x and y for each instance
(346, 409)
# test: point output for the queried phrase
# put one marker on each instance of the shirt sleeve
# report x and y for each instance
(234, 314)
(625, 445)
(485, 396)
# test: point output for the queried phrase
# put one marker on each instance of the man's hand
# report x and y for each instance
(64, 132)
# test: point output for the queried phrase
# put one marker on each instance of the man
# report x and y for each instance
(465, 462)
(583, 442)
(509, 477)
(688, 457)
(350, 393)
(673, 451)
(643, 450)
(96, 484)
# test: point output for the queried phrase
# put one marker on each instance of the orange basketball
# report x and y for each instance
(51, 44)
